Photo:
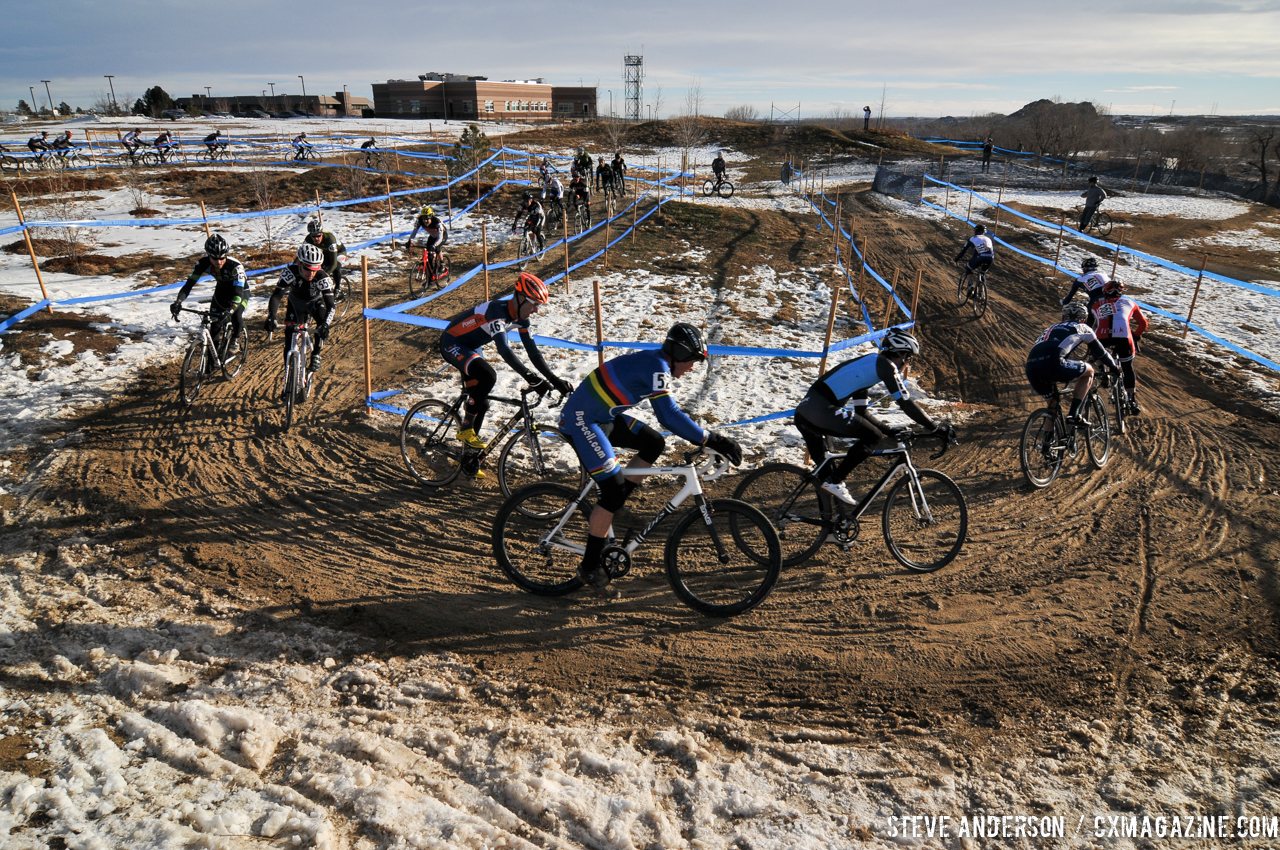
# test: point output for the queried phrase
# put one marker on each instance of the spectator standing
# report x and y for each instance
(866, 118)
(987, 147)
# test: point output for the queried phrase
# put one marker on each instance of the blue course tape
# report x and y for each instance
(19, 316)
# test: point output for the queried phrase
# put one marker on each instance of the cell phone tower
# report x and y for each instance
(633, 80)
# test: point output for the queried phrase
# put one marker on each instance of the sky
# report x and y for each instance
(812, 58)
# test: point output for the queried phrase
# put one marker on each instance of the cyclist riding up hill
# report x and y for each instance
(1090, 280)
(437, 235)
(231, 287)
(1047, 363)
(334, 251)
(471, 330)
(984, 250)
(533, 214)
(63, 142)
(310, 293)
(1093, 198)
(580, 194)
(371, 143)
(1120, 326)
(594, 421)
(619, 169)
(823, 411)
(582, 163)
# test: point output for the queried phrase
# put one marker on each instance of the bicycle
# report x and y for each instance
(374, 160)
(555, 214)
(1117, 395)
(527, 248)
(581, 216)
(718, 186)
(1100, 223)
(1048, 439)
(305, 153)
(431, 267)
(296, 386)
(10, 163)
(214, 349)
(217, 152)
(533, 451)
(975, 292)
(924, 520)
(722, 556)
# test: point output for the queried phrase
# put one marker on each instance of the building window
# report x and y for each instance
(488, 106)
(413, 107)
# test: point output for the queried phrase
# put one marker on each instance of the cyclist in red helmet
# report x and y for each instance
(471, 330)
(1119, 325)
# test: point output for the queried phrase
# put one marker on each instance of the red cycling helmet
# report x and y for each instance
(1113, 287)
(532, 288)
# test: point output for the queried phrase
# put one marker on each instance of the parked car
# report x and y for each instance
(174, 114)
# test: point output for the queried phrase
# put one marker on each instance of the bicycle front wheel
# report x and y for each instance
(925, 521)
(292, 390)
(193, 373)
(725, 189)
(542, 453)
(724, 565)
(428, 442)
(417, 276)
(234, 354)
(792, 504)
(535, 544)
(1098, 444)
(1102, 223)
(1042, 448)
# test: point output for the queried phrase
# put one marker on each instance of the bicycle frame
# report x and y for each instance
(902, 465)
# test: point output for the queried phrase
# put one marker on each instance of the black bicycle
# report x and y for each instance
(722, 555)
(1100, 223)
(214, 350)
(718, 186)
(924, 520)
(971, 288)
(1049, 438)
(435, 456)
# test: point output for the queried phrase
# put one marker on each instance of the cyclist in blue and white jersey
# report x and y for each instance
(131, 141)
(824, 412)
(984, 250)
(1047, 363)
(471, 330)
(595, 423)
(1090, 280)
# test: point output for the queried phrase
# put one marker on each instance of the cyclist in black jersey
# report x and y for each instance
(580, 195)
(471, 330)
(334, 251)
(310, 294)
(823, 411)
(533, 214)
(231, 286)
(1047, 363)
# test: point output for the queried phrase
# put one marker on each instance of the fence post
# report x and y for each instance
(635, 213)
(1200, 185)
(319, 212)
(391, 222)
(968, 216)
(205, 216)
(659, 187)
(448, 194)
(35, 264)
(564, 225)
(484, 255)
(831, 324)
(835, 229)
(595, 286)
(1195, 295)
(606, 243)
(1115, 258)
(888, 307)
(1000, 195)
(1062, 223)
(946, 199)
(915, 299)
(368, 357)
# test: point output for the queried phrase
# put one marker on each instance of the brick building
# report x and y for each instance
(459, 97)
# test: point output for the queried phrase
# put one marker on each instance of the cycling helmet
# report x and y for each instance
(684, 343)
(1113, 287)
(1089, 264)
(313, 227)
(215, 247)
(532, 288)
(44, 133)
(1075, 312)
(898, 341)
(979, 229)
(310, 256)
(428, 211)
(67, 134)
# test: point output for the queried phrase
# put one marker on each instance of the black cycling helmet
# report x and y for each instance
(979, 229)
(684, 343)
(215, 247)
(313, 227)
(1089, 264)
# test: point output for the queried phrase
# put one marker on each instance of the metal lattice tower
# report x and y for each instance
(633, 79)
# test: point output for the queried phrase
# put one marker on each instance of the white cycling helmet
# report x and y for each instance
(898, 341)
(310, 256)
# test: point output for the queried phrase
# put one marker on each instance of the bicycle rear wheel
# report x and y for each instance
(541, 454)
(925, 527)
(234, 352)
(192, 376)
(792, 504)
(1098, 442)
(1042, 448)
(962, 287)
(1118, 400)
(525, 547)
(1102, 223)
(708, 186)
(726, 567)
(979, 301)
(428, 442)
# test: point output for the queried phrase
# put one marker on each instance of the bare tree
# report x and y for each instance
(615, 133)
(1258, 150)
(742, 113)
(693, 99)
(688, 133)
(263, 183)
(657, 102)
(62, 202)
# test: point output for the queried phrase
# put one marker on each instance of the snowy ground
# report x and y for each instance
(150, 716)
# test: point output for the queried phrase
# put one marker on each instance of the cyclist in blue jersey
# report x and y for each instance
(984, 250)
(1047, 363)
(471, 330)
(595, 423)
(823, 410)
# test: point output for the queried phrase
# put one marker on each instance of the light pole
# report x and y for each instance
(46, 91)
(610, 103)
(305, 108)
(273, 90)
(115, 107)
(32, 89)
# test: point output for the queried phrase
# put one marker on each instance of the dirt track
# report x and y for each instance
(1140, 588)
